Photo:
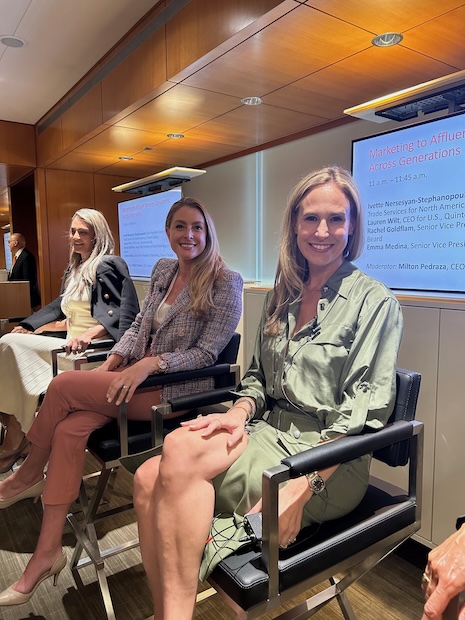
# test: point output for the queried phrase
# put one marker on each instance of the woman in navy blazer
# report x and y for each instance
(189, 315)
(97, 300)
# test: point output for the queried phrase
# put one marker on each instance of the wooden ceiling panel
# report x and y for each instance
(364, 76)
(135, 169)
(379, 16)
(119, 141)
(179, 109)
(445, 34)
(308, 59)
(84, 162)
(189, 152)
(295, 45)
(249, 126)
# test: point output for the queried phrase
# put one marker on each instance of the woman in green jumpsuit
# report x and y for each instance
(323, 367)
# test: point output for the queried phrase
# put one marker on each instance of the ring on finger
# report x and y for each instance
(125, 387)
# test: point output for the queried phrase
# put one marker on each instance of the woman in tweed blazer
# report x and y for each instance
(189, 315)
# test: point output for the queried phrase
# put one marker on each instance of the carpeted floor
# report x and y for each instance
(390, 592)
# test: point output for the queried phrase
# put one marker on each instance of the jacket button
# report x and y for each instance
(297, 434)
(106, 296)
(110, 312)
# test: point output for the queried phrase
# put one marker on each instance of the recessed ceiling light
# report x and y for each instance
(388, 39)
(175, 136)
(12, 41)
(251, 100)
(126, 158)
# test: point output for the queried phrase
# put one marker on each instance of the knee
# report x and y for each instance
(179, 449)
(145, 480)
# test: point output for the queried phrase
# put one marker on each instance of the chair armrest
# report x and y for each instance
(185, 375)
(88, 355)
(182, 402)
(349, 448)
(321, 457)
(202, 399)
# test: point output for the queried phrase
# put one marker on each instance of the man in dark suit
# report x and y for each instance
(24, 267)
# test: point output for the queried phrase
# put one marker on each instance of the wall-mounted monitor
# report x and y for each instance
(412, 182)
(142, 233)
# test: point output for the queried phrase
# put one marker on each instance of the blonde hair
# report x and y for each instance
(82, 274)
(292, 270)
(206, 267)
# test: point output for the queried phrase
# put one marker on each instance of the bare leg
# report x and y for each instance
(145, 481)
(170, 538)
(30, 472)
(48, 547)
(14, 435)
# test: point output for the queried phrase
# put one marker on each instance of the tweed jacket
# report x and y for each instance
(113, 300)
(185, 341)
(25, 269)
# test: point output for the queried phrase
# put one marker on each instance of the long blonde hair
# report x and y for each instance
(292, 270)
(82, 274)
(207, 267)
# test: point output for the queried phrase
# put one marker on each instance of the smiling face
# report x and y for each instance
(81, 236)
(322, 228)
(187, 233)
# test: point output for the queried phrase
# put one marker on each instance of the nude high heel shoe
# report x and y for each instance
(12, 597)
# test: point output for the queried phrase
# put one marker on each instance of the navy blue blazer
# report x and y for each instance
(113, 300)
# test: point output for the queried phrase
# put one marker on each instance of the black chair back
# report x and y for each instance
(408, 388)
(229, 354)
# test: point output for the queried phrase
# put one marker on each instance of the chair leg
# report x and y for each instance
(105, 590)
(86, 539)
(344, 603)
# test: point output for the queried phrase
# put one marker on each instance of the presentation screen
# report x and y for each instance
(412, 182)
(142, 233)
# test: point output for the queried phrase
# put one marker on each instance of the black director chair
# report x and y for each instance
(124, 437)
(256, 580)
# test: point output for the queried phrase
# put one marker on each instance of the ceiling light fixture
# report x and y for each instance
(12, 41)
(175, 136)
(388, 39)
(251, 100)
(126, 158)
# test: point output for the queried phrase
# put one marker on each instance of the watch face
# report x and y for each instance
(162, 364)
(317, 483)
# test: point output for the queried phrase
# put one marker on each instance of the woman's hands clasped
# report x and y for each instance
(78, 344)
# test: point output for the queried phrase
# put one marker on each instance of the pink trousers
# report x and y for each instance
(75, 405)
